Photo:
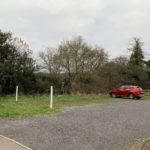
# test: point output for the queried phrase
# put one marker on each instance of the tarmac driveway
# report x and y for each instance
(103, 127)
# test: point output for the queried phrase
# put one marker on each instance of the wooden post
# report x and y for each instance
(51, 97)
(16, 93)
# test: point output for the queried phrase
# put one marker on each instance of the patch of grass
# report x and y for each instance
(146, 145)
(39, 105)
(147, 97)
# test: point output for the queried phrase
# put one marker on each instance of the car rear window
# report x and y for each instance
(140, 88)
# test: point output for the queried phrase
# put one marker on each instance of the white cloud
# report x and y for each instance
(111, 24)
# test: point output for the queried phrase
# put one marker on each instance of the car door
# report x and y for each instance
(126, 91)
(121, 91)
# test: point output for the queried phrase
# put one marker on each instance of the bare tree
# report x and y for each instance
(73, 58)
(50, 60)
(77, 57)
(20, 45)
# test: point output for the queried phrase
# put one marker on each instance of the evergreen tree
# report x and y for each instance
(137, 72)
(137, 56)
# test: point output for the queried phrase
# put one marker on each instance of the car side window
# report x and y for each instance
(126, 88)
(122, 88)
(130, 88)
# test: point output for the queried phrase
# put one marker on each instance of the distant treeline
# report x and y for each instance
(74, 67)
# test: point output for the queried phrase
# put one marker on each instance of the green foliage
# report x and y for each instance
(138, 74)
(147, 64)
(114, 73)
(16, 65)
(44, 81)
(137, 56)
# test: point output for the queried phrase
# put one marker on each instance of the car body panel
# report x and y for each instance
(126, 90)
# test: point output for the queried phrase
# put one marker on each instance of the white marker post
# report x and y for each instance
(51, 97)
(16, 93)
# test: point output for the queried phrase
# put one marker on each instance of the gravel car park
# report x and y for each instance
(103, 127)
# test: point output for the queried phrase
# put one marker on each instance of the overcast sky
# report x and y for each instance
(111, 24)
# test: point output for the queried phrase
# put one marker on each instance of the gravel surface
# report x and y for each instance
(103, 127)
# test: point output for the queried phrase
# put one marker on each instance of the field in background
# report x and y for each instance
(39, 105)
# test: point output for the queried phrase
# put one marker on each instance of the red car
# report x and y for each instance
(127, 91)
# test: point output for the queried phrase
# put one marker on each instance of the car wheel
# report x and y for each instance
(113, 95)
(131, 96)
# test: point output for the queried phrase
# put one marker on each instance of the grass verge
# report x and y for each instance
(146, 145)
(147, 97)
(39, 105)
